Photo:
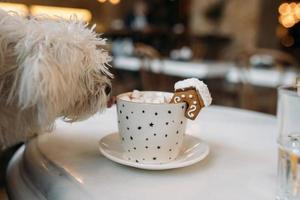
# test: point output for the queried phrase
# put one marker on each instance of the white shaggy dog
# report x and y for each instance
(48, 69)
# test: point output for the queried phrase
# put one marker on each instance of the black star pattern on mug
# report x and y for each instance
(166, 135)
(181, 122)
(131, 137)
(156, 113)
(120, 111)
(123, 105)
(127, 128)
(147, 139)
(177, 132)
(169, 112)
(127, 117)
(131, 112)
(154, 158)
(139, 128)
(167, 123)
(158, 147)
(143, 111)
(151, 124)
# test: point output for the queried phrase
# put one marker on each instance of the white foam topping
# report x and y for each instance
(198, 85)
(147, 97)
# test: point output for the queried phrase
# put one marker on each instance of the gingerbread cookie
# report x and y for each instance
(195, 93)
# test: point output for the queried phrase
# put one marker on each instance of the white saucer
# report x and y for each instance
(193, 151)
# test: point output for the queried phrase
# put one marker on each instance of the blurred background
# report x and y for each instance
(243, 50)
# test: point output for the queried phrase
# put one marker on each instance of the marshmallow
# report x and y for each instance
(135, 94)
(125, 97)
(147, 97)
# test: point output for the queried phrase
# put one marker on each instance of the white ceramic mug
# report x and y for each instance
(150, 132)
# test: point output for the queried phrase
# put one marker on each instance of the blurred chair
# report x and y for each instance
(261, 98)
(152, 78)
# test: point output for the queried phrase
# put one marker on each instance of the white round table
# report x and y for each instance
(68, 165)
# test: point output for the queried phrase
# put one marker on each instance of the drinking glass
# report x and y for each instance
(289, 143)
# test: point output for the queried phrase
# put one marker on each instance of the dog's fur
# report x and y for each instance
(48, 69)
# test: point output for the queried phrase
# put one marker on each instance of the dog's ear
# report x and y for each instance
(53, 58)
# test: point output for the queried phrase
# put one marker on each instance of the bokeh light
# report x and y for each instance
(284, 9)
(67, 13)
(20, 9)
(297, 11)
(281, 31)
(288, 21)
(114, 1)
(289, 14)
(287, 41)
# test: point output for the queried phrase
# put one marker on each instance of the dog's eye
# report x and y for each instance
(107, 89)
(102, 47)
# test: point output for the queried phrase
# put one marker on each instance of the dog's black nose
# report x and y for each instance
(107, 89)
